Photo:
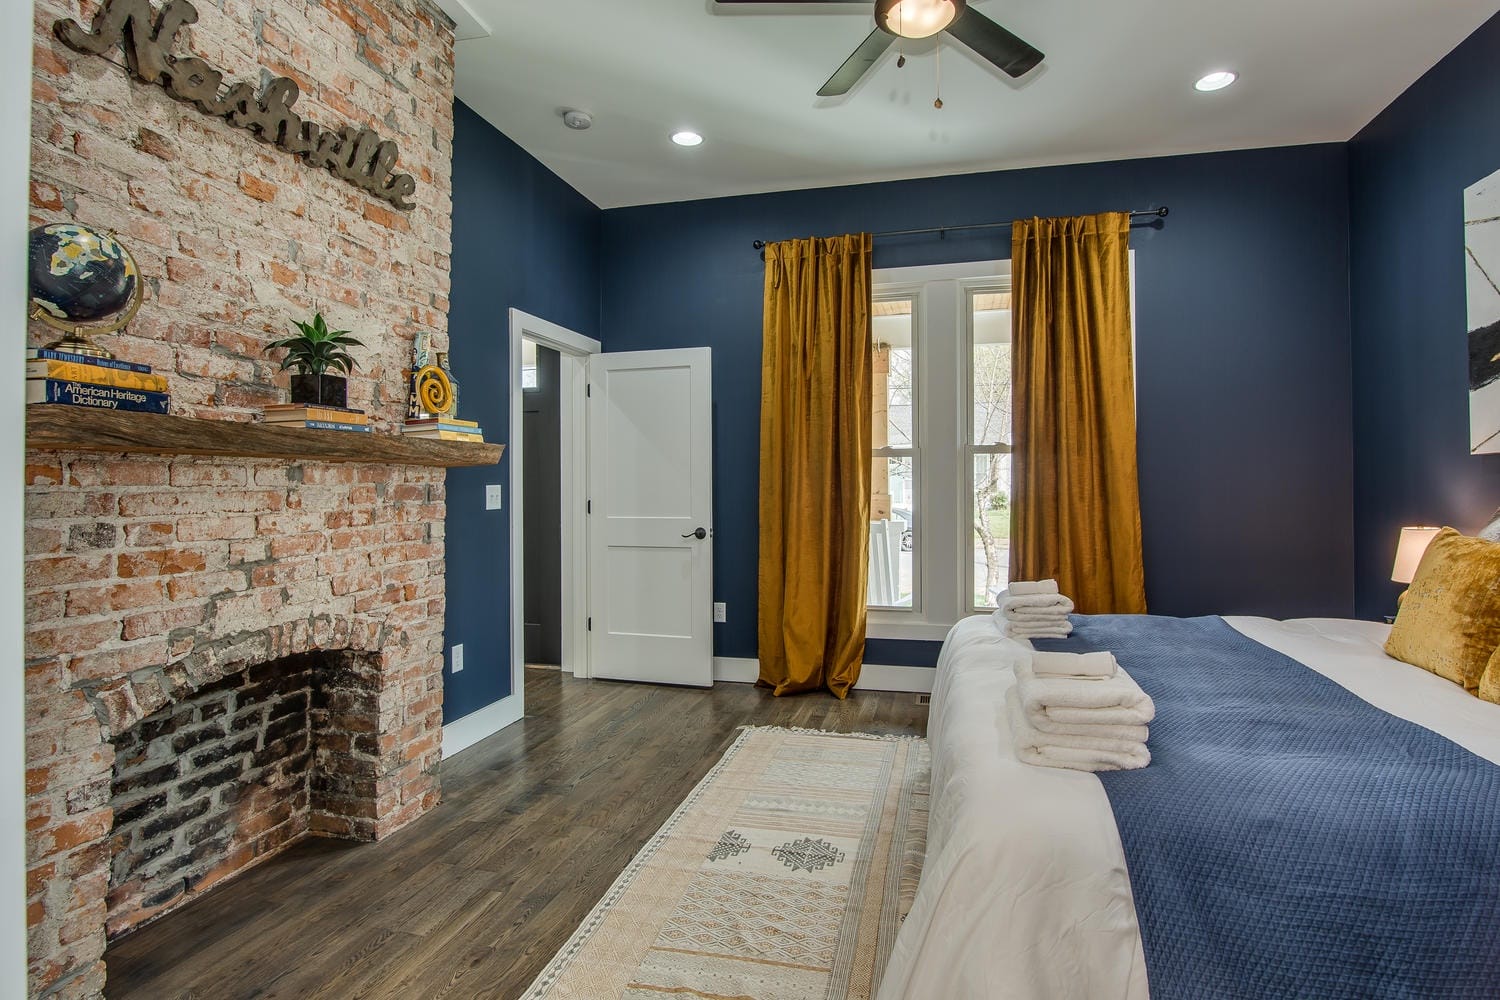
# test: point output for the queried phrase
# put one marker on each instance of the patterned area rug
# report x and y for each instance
(784, 875)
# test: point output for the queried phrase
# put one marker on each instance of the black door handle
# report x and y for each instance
(699, 533)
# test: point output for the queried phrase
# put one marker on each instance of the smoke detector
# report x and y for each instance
(578, 121)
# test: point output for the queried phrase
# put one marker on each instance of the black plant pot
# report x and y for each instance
(320, 390)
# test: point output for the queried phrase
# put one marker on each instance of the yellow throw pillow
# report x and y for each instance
(1449, 622)
(1489, 684)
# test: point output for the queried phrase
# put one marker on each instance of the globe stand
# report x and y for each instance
(77, 340)
(75, 343)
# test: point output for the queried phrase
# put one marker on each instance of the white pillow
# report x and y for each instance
(1492, 532)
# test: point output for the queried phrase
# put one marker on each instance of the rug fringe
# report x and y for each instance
(801, 730)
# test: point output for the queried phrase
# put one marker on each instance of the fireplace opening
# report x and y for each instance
(234, 773)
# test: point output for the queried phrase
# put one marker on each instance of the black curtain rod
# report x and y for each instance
(1155, 213)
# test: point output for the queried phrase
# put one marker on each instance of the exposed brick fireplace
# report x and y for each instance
(205, 688)
(236, 771)
(226, 654)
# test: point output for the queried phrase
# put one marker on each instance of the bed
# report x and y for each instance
(1026, 892)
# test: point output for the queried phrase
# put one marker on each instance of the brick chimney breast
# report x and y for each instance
(223, 655)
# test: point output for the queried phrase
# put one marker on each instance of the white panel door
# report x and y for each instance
(650, 523)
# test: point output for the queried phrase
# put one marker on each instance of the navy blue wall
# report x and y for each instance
(1245, 433)
(1407, 174)
(521, 238)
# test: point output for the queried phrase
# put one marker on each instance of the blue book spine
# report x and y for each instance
(84, 359)
(454, 428)
(329, 425)
(104, 397)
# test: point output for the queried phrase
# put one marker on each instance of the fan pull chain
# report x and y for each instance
(901, 37)
(939, 51)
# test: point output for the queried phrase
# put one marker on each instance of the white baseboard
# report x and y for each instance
(460, 734)
(872, 676)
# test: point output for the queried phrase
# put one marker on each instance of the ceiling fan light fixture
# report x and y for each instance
(917, 18)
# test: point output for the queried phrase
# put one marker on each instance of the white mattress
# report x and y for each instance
(1025, 894)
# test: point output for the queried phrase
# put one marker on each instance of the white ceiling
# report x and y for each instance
(1116, 83)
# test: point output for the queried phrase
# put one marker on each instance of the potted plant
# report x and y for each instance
(319, 362)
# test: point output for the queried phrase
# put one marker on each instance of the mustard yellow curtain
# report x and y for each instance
(815, 464)
(1076, 510)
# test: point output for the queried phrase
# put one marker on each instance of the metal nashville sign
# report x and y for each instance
(357, 155)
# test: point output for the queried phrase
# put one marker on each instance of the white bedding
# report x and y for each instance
(1024, 894)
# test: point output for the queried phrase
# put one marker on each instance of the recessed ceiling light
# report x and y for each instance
(687, 138)
(1216, 81)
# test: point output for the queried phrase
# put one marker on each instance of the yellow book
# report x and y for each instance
(446, 436)
(428, 422)
(73, 371)
(298, 414)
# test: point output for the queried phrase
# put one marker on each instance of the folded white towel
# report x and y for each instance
(1112, 701)
(1037, 621)
(1093, 666)
(1079, 753)
(1131, 734)
(1029, 588)
(1059, 629)
(1036, 604)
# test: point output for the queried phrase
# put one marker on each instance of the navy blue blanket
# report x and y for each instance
(1291, 840)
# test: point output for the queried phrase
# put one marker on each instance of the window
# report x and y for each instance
(893, 536)
(528, 366)
(988, 440)
(940, 469)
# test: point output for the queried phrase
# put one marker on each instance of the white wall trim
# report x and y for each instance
(524, 326)
(872, 676)
(460, 734)
(15, 169)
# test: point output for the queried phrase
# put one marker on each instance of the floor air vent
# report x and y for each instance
(924, 699)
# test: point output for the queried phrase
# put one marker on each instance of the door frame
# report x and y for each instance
(573, 438)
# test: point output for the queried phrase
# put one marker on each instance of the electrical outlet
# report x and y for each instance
(492, 496)
(456, 655)
(721, 611)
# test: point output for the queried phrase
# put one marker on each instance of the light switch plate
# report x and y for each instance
(456, 655)
(492, 496)
(721, 611)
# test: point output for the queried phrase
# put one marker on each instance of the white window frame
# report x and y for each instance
(939, 516)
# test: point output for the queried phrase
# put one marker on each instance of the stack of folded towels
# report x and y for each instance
(1080, 711)
(1034, 611)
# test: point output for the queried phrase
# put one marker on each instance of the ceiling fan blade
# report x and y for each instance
(857, 65)
(1012, 55)
(784, 3)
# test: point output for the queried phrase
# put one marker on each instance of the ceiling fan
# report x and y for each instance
(921, 19)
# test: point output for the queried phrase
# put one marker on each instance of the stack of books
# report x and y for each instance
(319, 418)
(103, 383)
(443, 429)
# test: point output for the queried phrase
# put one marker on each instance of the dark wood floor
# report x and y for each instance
(473, 899)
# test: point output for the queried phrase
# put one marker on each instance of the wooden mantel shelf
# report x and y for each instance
(56, 427)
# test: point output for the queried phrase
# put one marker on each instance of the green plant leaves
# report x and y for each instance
(318, 350)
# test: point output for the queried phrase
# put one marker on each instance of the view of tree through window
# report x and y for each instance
(989, 436)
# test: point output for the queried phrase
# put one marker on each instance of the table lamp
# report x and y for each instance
(1409, 550)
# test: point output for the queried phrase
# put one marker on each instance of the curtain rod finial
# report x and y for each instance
(759, 244)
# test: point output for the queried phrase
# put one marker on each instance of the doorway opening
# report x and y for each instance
(541, 434)
(548, 465)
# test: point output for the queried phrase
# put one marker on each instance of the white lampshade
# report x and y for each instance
(916, 18)
(1414, 542)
